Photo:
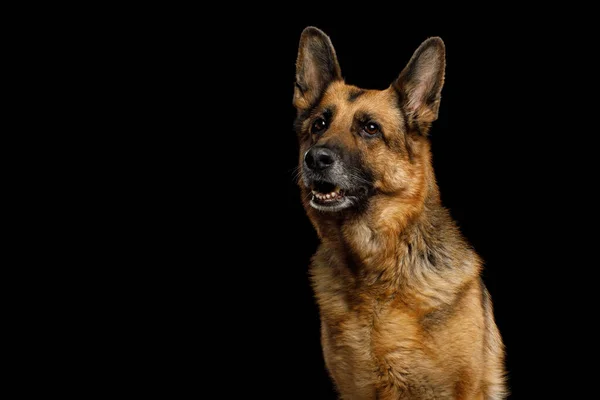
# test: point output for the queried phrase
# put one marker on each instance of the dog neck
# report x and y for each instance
(402, 244)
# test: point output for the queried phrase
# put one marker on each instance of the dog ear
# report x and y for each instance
(420, 83)
(316, 67)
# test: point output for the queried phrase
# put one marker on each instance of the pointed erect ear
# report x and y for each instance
(316, 67)
(420, 83)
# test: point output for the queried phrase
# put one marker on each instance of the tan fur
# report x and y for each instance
(394, 326)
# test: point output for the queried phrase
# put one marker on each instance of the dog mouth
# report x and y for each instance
(326, 193)
(328, 197)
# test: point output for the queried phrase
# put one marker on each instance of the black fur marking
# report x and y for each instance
(485, 297)
(355, 94)
(301, 88)
(485, 304)
(440, 315)
(363, 117)
(328, 113)
(431, 259)
(407, 145)
(351, 259)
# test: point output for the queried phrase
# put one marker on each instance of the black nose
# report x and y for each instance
(319, 158)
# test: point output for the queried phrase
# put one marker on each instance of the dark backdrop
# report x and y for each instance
(229, 244)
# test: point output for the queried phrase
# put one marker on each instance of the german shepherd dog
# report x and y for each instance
(404, 312)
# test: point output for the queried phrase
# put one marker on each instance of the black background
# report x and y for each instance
(225, 286)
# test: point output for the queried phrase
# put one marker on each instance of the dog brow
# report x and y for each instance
(355, 94)
(328, 111)
(363, 116)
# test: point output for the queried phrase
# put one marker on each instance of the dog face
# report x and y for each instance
(356, 144)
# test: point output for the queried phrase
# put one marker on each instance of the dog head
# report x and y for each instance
(358, 145)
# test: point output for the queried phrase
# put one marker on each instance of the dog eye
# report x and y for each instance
(319, 125)
(371, 128)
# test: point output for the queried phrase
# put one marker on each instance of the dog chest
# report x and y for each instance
(369, 353)
(371, 346)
